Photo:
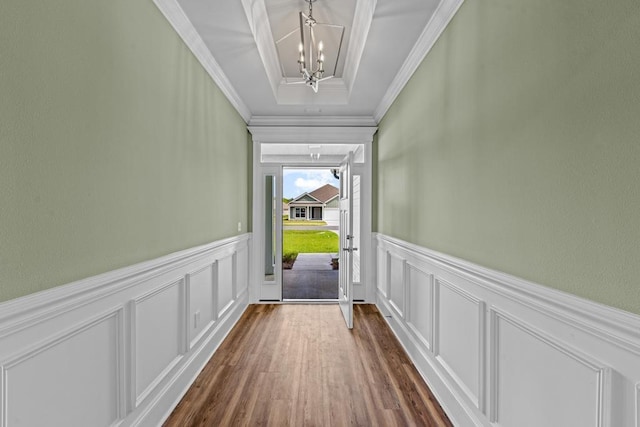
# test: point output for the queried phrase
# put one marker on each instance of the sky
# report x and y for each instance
(298, 181)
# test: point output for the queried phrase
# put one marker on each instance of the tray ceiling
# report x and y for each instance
(384, 42)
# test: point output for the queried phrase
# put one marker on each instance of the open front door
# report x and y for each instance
(345, 286)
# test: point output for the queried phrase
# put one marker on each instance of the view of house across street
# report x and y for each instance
(310, 234)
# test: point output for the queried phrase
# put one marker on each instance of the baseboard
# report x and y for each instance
(448, 399)
(494, 348)
(123, 347)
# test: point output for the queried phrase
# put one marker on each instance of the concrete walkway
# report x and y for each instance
(311, 277)
(313, 262)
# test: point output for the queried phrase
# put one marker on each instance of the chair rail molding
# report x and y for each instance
(494, 347)
(123, 347)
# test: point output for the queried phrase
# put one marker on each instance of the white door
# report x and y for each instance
(345, 282)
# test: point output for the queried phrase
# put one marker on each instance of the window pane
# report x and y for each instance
(269, 227)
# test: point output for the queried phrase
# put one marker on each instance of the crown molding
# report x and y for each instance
(258, 19)
(335, 91)
(359, 32)
(185, 29)
(431, 33)
(349, 121)
(312, 134)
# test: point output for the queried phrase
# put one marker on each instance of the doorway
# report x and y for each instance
(277, 151)
(310, 233)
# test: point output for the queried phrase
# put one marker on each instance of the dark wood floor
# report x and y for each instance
(299, 365)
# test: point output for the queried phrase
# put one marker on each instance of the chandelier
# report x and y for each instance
(313, 59)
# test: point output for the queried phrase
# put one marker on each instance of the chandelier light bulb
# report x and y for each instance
(311, 50)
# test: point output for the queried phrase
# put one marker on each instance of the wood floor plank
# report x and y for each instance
(298, 365)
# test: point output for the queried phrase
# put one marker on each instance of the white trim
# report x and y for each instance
(477, 396)
(363, 16)
(403, 280)
(31, 326)
(40, 347)
(312, 134)
(4, 405)
(312, 121)
(185, 29)
(272, 291)
(256, 12)
(234, 276)
(182, 338)
(427, 341)
(254, 9)
(216, 285)
(603, 339)
(213, 268)
(41, 306)
(638, 404)
(386, 291)
(450, 399)
(602, 373)
(339, 87)
(608, 323)
(431, 33)
(158, 410)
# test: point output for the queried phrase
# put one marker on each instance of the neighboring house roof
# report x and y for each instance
(320, 195)
(325, 193)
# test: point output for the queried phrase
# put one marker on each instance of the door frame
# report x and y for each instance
(365, 290)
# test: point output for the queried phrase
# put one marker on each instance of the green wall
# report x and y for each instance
(115, 146)
(516, 145)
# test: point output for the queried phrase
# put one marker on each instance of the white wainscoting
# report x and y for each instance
(503, 352)
(120, 348)
(638, 405)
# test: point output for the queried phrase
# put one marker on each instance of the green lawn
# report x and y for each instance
(310, 223)
(307, 241)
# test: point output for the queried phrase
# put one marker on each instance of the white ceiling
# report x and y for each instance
(384, 42)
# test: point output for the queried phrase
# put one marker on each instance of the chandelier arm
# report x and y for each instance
(302, 44)
(330, 25)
